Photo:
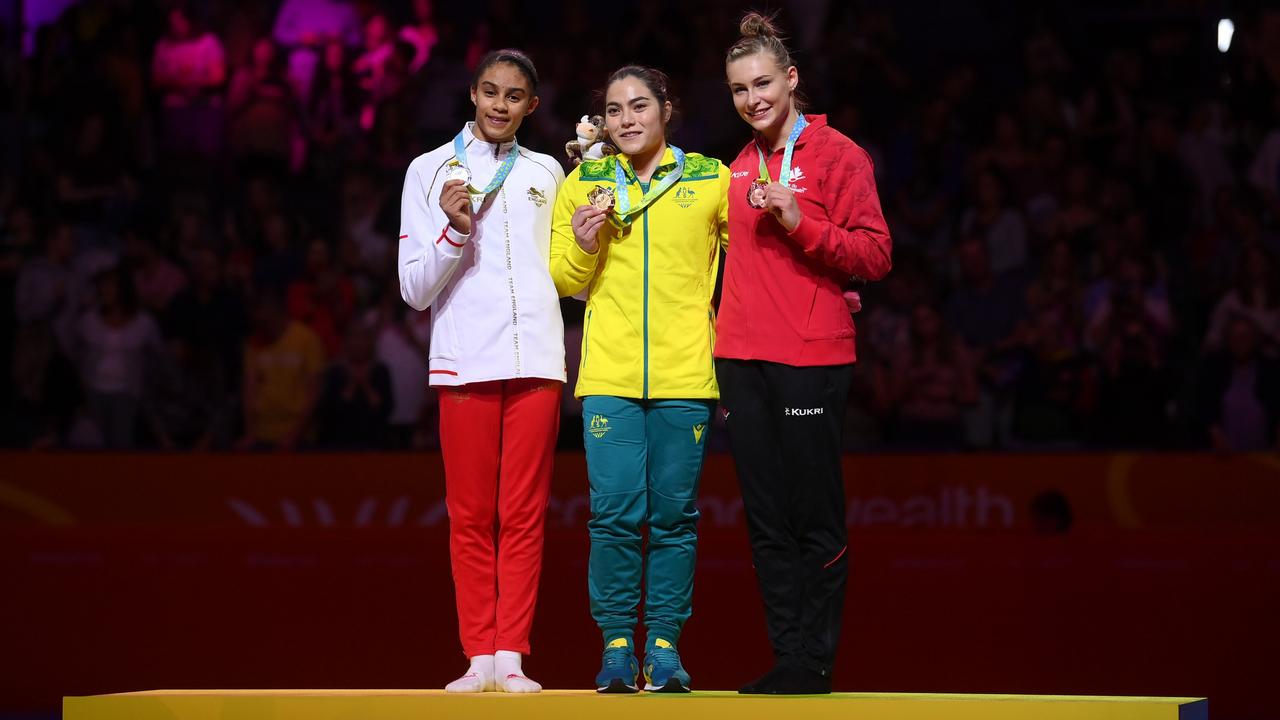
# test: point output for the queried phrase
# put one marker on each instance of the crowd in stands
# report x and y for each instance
(199, 206)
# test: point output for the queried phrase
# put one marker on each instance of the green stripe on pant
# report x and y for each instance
(644, 458)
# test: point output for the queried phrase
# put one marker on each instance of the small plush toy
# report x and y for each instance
(592, 142)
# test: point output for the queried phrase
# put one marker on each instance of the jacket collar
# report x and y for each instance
(815, 122)
(665, 166)
(476, 146)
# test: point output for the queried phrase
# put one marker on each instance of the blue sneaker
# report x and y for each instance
(618, 668)
(662, 669)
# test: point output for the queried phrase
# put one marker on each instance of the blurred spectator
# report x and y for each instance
(189, 404)
(323, 297)
(403, 339)
(1239, 393)
(1130, 294)
(333, 113)
(265, 120)
(362, 205)
(48, 289)
(93, 183)
(999, 224)
(1203, 151)
(928, 388)
(117, 345)
(283, 364)
(46, 390)
(1256, 295)
(1078, 214)
(278, 265)
(1136, 382)
(1109, 112)
(372, 67)
(208, 316)
(985, 307)
(157, 279)
(421, 33)
(1055, 392)
(1120, 204)
(922, 209)
(189, 69)
(1264, 171)
(303, 26)
(984, 310)
(356, 401)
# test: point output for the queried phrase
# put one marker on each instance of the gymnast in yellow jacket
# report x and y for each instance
(641, 233)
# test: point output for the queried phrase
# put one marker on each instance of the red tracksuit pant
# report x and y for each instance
(498, 440)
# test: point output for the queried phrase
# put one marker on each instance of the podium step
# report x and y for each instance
(437, 705)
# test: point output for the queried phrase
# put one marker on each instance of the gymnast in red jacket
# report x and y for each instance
(804, 218)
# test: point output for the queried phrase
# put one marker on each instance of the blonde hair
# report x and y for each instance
(759, 33)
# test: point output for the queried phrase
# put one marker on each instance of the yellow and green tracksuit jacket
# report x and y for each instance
(649, 327)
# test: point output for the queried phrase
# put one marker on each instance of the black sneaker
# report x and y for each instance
(789, 680)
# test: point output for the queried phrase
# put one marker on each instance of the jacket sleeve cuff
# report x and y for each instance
(581, 259)
(807, 233)
(451, 241)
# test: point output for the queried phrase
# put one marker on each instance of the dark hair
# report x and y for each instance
(512, 56)
(654, 79)
(759, 33)
(126, 291)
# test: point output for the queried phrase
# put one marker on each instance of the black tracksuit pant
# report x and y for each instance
(785, 427)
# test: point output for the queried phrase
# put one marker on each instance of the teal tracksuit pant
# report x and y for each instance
(644, 458)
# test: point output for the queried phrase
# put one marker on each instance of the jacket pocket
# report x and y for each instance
(711, 336)
(586, 338)
(829, 317)
(444, 345)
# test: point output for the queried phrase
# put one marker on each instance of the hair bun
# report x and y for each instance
(755, 25)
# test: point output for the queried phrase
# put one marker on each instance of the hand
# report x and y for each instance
(455, 200)
(781, 201)
(587, 220)
(853, 300)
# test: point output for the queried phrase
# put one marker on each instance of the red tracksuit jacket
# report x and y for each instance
(782, 299)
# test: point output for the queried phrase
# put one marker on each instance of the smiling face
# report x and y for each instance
(762, 91)
(503, 97)
(637, 121)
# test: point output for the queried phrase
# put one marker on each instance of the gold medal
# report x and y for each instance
(756, 194)
(601, 198)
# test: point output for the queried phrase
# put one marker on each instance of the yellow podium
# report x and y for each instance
(558, 704)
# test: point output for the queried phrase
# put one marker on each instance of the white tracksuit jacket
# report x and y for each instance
(495, 314)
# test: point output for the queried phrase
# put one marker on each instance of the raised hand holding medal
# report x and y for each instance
(455, 201)
(777, 197)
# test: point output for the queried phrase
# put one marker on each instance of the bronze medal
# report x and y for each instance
(756, 194)
(601, 198)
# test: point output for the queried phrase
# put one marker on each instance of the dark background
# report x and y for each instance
(1080, 330)
(1083, 199)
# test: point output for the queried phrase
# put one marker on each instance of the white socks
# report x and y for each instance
(509, 675)
(494, 672)
(479, 677)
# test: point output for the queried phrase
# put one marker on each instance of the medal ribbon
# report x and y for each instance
(622, 199)
(460, 155)
(784, 174)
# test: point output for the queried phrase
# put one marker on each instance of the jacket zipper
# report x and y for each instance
(644, 187)
(586, 340)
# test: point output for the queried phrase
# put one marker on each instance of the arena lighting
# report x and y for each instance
(1226, 29)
